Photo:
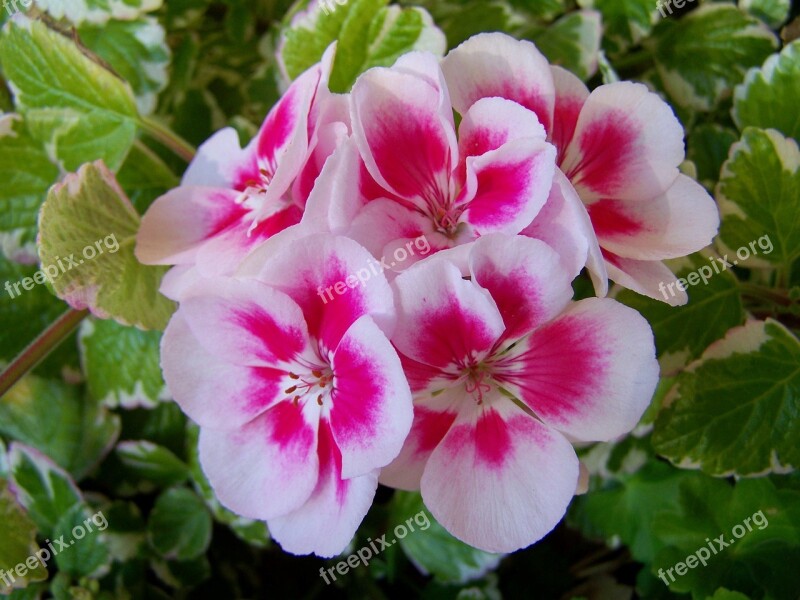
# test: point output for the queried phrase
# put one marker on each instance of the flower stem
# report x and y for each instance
(168, 138)
(38, 349)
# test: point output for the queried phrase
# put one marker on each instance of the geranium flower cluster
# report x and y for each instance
(467, 372)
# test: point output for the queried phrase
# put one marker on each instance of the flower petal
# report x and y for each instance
(442, 319)
(433, 416)
(214, 165)
(683, 220)
(500, 480)
(492, 122)
(571, 94)
(590, 373)
(512, 185)
(180, 221)
(651, 278)
(372, 411)
(281, 145)
(525, 278)
(495, 64)
(564, 225)
(627, 145)
(399, 113)
(211, 391)
(257, 325)
(327, 522)
(321, 273)
(269, 467)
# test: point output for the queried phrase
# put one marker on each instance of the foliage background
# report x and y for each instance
(92, 427)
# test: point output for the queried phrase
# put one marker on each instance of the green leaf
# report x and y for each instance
(759, 197)
(683, 332)
(137, 51)
(75, 106)
(368, 34)
(82, 530)
(707, 148)
(432, 549)
(759, 524)
(625, 22)
(26, 173)
(87, 208)
(773, 12)
(98, 11)
(179, 526)
(152, 462)
(768, 96)
(573, 42)
(18, 541)
(735, 410)
(55, 419)
(624, 508)
(702, 56)
(723, 594)
(44, 489)
(121, 364)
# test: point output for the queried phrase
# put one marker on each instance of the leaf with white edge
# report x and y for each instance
(125, 535)
(759, 198)
(76, 107)
(43, 488)
(734, 411)
(137, 51)
(152, 462)
(707, 147)
(460, 21)
(57, 420)
(368, 34)
(682, 333)
(773, 12)
(121, 364)
(769, 95)
(18, 541)
(98, 11)
(87, 208)
(179, 526)
(88, 554)
(573, 42)
(27, 174)
(702, 56)
(625, 22)
(432, 549)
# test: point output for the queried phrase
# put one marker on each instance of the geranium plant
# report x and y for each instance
(361, 299)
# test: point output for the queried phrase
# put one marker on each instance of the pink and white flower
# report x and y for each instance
(619, 148)
(231, 199)
(419, 176)
(300, 402)
(505, 372)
